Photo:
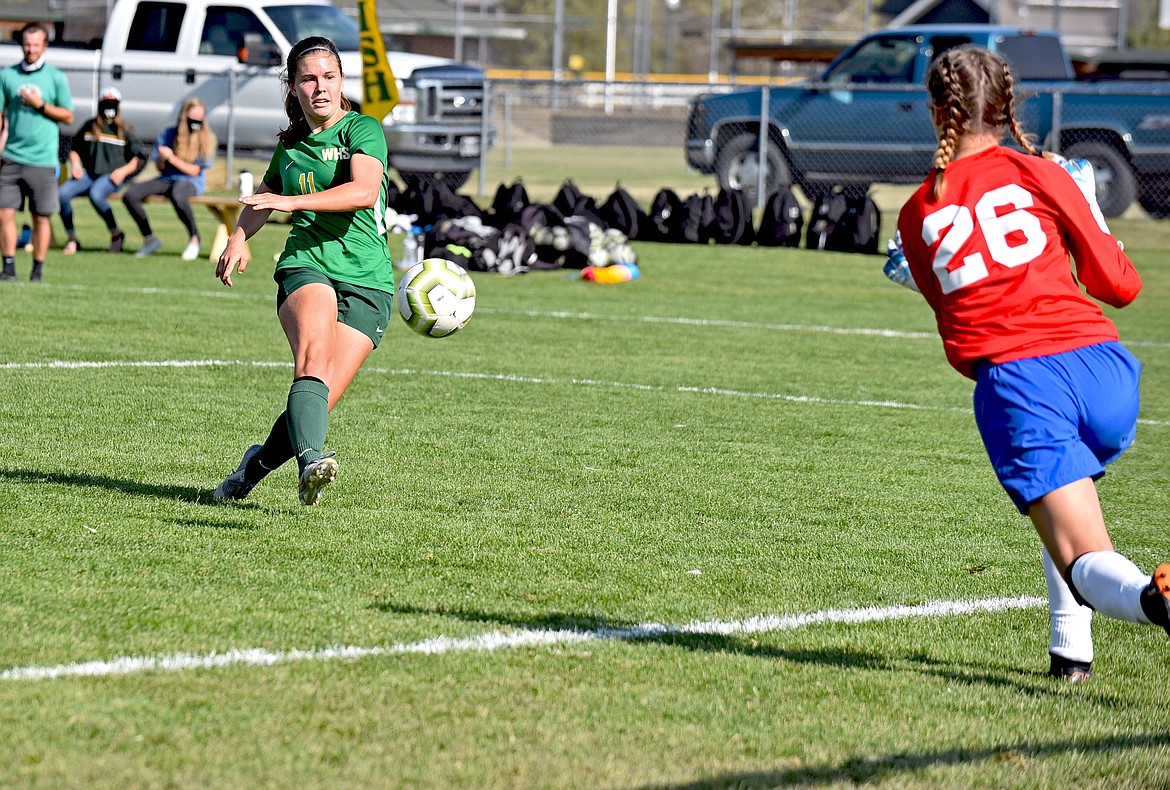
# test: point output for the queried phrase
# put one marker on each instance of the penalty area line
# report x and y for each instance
(518, 638)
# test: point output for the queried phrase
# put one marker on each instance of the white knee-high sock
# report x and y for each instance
(1071, 625)
(1111, 584)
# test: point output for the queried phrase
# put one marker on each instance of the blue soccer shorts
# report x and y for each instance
(1052, 420)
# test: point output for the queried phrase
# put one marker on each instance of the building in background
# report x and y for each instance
(1085, 26)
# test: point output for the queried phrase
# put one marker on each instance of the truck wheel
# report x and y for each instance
(738, 167)
(453, 179)
(1155, 199)
(1116, 186)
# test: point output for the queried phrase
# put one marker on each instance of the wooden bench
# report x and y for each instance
(226, 211)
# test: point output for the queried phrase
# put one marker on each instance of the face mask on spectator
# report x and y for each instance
(194, 126)
(108, 109)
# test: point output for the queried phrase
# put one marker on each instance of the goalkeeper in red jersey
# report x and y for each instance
(987, 238)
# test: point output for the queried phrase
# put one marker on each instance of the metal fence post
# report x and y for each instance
(484, 126)
(229, 178)
(1057, 112)
(506, 133)
(762, 169)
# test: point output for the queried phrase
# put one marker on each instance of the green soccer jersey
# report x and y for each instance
(348, 246)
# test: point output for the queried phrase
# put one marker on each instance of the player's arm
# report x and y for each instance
(361, 191)
(235, 255)
(1101, 265)
(253, 218)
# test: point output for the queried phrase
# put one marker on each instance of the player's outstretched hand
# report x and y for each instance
(897, 269)
(233, 259)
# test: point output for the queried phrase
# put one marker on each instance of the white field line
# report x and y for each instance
(506, 377)
(579, 316)
(521, 637)
(710, 322)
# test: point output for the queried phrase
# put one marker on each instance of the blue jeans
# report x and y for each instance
(98, 189)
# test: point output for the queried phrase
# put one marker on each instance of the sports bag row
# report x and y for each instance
(838, 222)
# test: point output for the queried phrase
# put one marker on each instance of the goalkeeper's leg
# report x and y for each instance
(1070, 645)
(1070, 523)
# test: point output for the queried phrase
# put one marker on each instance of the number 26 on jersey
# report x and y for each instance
(954, 274)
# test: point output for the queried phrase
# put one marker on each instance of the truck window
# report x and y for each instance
(940, 44)
(884, 59)
(155, 27)
(1035, 57)
(301, 21)
(224, 28)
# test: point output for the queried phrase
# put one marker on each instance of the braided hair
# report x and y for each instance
(971, 92)
(298, 125)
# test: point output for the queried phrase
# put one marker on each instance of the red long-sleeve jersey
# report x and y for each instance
(991, 257)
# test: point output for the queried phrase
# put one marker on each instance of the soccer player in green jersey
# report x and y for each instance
(334, 277)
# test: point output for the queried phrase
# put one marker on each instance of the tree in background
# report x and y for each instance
(1144, 32)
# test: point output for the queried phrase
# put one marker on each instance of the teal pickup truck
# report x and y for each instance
(865, 120)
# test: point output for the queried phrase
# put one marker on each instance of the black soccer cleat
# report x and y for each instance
(1068, 670)
(1156, 598)
(236, 486)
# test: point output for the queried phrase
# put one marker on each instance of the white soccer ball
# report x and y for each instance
(435, 297)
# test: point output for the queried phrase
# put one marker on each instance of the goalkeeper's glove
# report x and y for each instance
(896, 268)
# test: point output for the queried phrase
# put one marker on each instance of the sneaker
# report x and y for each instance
(8, 274)
(191, 251)
(234, 485)
(1156, 598)
(150, 245)
(116, 239)
(36, 275)
(1068, 670)
(318, 474)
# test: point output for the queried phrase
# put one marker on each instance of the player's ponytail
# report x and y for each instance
(1009, 104)
(946, 102)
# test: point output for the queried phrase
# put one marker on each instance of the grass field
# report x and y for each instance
(729, 525)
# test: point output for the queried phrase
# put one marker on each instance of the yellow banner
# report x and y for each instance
(379, 88)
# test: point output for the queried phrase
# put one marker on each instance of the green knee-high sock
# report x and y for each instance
(308, 418)
(277, 449)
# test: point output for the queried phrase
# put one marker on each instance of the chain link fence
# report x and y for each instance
(873, 138)
(694, 137)
(595, 133)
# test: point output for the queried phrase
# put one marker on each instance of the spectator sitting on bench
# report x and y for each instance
(183, 154)
(104, 157)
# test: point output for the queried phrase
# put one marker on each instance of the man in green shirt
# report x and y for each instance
(35, 98)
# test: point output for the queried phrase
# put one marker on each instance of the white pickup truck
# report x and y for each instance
(230, 54)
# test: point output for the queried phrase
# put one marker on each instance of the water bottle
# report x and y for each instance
(247, 185)
(410, 248)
